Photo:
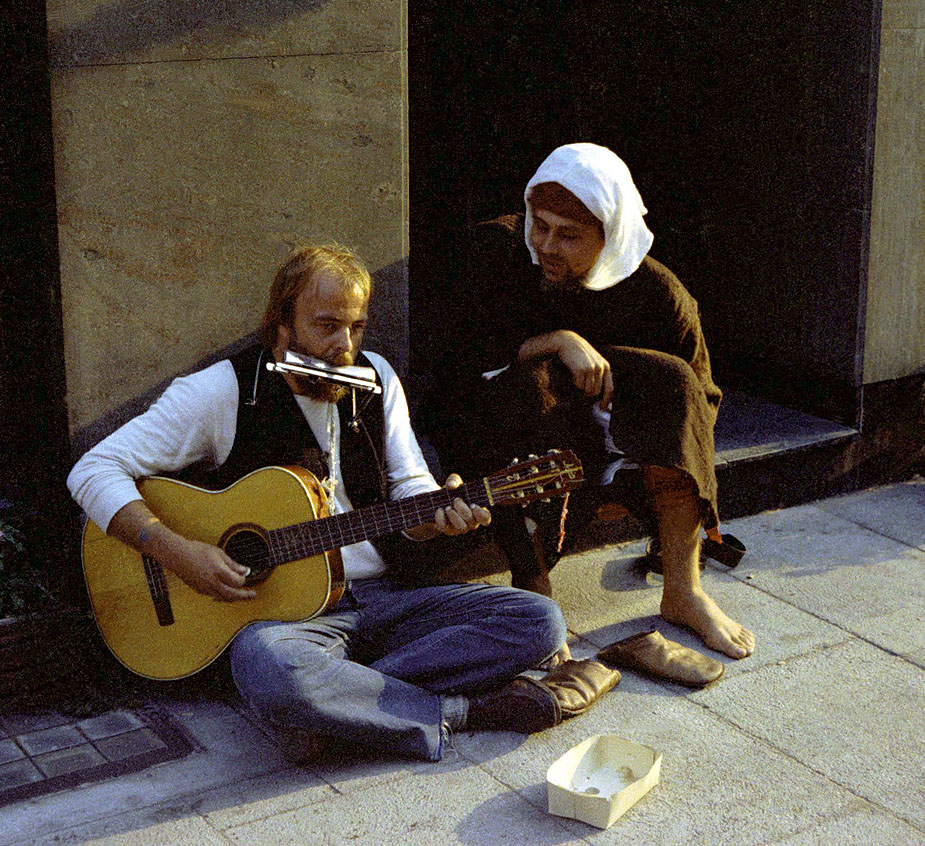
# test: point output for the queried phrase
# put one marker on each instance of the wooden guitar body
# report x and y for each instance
(158, 626)
(276, 522)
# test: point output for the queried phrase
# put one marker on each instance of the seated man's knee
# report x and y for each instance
(668, 487)
(272, 670)
(654, 378)
(677, 375)
(542, 618)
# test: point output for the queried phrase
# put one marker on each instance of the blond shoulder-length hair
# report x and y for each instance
(297, 272)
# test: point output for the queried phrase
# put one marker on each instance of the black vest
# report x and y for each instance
(272, 430)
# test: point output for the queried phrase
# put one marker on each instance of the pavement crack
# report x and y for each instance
(64, 67)
(804, 765)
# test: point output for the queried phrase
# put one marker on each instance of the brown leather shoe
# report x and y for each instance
(652, 654)
(577, 685)
(523, 705)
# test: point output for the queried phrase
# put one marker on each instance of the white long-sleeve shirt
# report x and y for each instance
(194, 420)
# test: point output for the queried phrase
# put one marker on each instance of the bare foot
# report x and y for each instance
(699, 612)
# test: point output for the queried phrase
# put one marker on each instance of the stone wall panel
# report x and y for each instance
(92, 32)
(181, 187)
(895, 326)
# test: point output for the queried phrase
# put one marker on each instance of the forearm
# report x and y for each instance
(136, 525)
(192, 422)
(204, 567)
(543, 346)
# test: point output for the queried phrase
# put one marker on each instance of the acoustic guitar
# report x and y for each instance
(276, 521)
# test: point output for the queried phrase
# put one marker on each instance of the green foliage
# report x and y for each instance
(21, 588)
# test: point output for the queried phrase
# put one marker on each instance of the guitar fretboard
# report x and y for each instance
(316, 536)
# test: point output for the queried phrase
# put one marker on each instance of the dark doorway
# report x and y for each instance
(35, 453)
(748, 128)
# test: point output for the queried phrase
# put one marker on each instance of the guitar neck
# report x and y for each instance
(316, 536)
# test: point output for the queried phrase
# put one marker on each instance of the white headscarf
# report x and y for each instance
(601, 180)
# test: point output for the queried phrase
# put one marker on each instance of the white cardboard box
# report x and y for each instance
(601, 778)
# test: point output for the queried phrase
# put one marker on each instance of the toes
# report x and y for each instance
(746, 640)
(730, 649)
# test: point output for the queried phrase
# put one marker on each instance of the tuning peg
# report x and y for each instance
(514, 461)
(553, 451)
(532, 456)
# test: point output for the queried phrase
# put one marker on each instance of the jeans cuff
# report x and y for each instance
(455, 711)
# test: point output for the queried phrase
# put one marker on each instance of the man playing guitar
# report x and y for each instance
(389, 663)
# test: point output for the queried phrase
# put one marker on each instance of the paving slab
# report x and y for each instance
(66, 761)
(817, 738)
(247, 801)
(866, 826)
(749, 428)
(719, 784)
(897, 511)
(222, 807)
(466, 806)
(850, 712)
(605, 597)
(840, 572)
(110, 724)
(188, 831)
(229, 749)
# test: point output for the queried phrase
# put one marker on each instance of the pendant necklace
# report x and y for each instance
(330, 484)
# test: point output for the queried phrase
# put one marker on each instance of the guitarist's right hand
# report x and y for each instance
(208, 570)
(204, 567)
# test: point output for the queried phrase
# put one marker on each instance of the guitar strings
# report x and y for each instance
(339, 530)
(254, 551)
(314, 537)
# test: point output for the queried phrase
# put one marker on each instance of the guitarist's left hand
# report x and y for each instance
(454, 520)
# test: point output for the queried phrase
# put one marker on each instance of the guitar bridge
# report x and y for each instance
(157, 587)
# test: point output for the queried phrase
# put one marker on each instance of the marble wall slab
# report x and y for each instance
(92, 32)
(895, 340)
(183, 184)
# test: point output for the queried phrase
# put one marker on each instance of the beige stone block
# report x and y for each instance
(182, 186)
(91, 32)
(902, 14)
(895, 342)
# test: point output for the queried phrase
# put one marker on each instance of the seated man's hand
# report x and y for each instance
(590, 370)
(204, 567)
(457, 519)
(210, 571)
(460, 517)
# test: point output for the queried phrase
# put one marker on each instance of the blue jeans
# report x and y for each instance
(377, 668)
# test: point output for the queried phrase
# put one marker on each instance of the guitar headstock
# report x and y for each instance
(539, 477)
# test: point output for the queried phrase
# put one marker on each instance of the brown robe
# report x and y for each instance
(648, 326)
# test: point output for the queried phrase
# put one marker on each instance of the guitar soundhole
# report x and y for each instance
(248, 547)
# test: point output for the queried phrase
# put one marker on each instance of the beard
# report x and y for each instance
(311, 387)
(556, 286)
(316, 389)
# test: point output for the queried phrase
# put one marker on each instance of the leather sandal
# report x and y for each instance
(727, 550)
(650, 653)
(577, 685)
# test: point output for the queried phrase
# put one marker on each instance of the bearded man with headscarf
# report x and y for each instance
(564, 332)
